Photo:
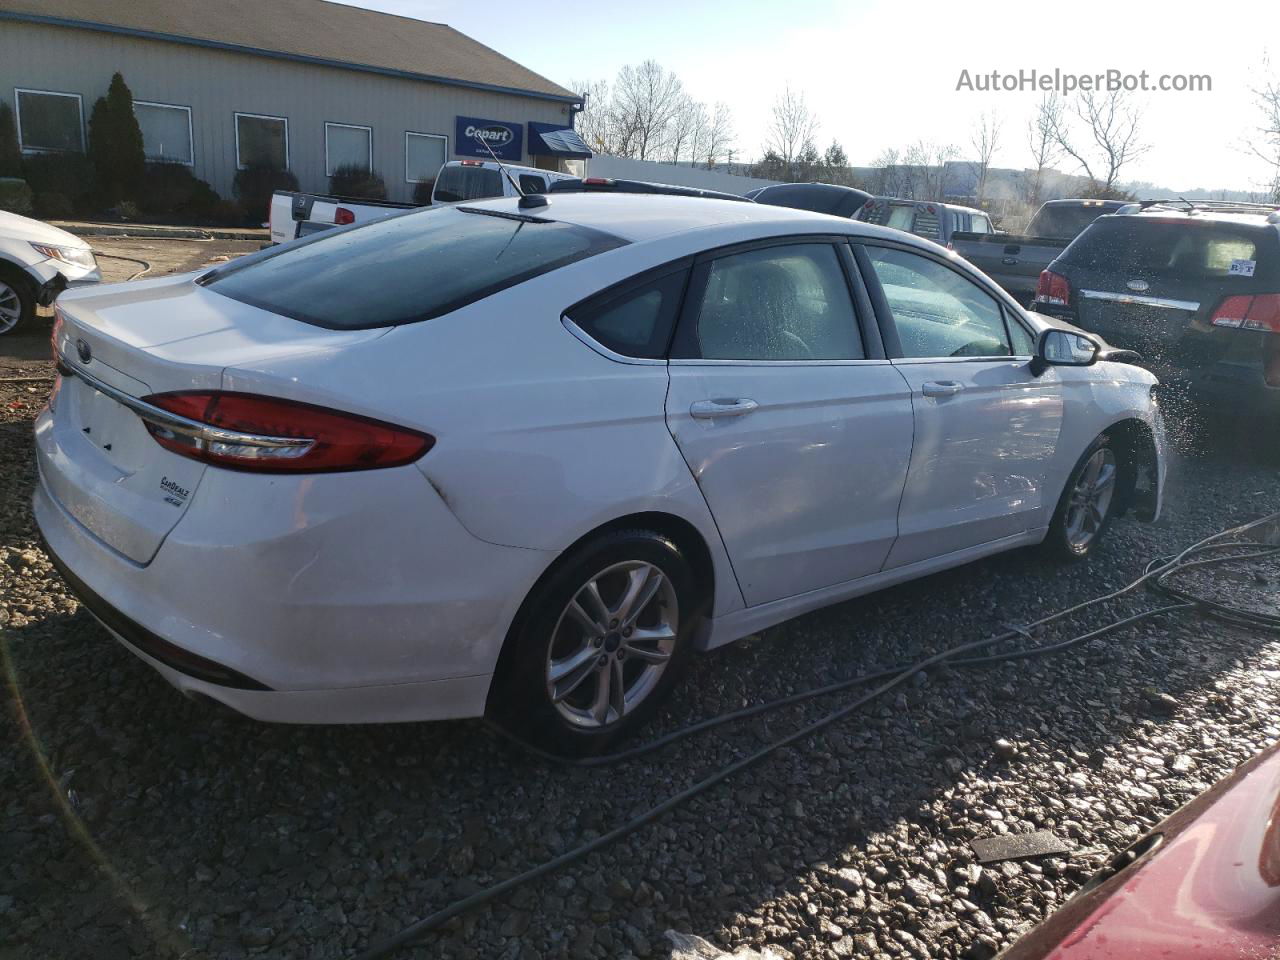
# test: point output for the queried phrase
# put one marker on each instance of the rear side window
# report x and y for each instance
(459, 183)
(636, 322)
(1159, 247)
(776, 303)
(407, 268)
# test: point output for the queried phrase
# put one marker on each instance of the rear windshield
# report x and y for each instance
(407, 268)
(1154, 246)
(1063, 223)
(456, 184)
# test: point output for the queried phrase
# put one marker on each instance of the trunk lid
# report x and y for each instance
(102, 465)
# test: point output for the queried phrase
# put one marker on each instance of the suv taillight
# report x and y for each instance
(1053, 288)
(1259, 312)
(269, 435)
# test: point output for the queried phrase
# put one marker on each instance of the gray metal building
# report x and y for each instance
(307, 84)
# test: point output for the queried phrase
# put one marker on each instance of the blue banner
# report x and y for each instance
(506, 139)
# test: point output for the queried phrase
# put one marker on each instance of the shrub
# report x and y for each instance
(10, 154)
(15, 196)
(225, 213)
(354, 181)
(422, 192)
(254, 186)
(173, 190)
(68, 175)
(115, 144)
(53, 206)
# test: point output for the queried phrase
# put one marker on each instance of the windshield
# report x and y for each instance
(420, 265)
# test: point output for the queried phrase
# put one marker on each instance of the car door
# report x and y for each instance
(986, 428)
(796, 427)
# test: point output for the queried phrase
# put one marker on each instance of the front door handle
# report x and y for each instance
(942, 388)
(710, 409)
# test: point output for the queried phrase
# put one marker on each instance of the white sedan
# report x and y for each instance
(524, 458)
(36, 261)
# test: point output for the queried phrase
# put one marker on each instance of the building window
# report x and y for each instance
(262, 141)
(347, 145)
(424, 155)
(49, 121)
(166, 131)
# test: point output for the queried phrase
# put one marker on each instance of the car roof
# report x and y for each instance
(935, 203)
(1259, 219)
(1087, 202)
(637, 217)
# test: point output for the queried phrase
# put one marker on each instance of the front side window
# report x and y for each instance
(347, 146)
(49, 121)
(636, 322)
(777, 303)
(166, 131)
(937, 311)
(532, 184)
(406, 268)
(424, 155)
(262, 141)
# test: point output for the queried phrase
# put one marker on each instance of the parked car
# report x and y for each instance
(1015, 260)
(614, 185)
(1205, 882)
(37, 261)
(295, 215)
(1192, 286)
(925, 218)
(829, 198)
(523, 459)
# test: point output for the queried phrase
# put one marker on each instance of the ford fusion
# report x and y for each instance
(524, 458)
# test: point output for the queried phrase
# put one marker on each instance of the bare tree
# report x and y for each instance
(792, 129)
(1265, 145)
(887, 180)
(926, 163)
(717, 141)
(1111, 138)
(1042, 139)
(592, 122)
(645, 101)
(686, 129)
(985, 141)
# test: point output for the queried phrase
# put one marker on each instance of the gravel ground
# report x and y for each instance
(138, 823)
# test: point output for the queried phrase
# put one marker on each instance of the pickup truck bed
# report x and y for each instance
(1010, 260)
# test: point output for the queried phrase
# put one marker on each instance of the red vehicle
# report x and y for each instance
(1204, 884)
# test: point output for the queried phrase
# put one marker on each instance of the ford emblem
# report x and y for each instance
(1138, 286)
(83, 351)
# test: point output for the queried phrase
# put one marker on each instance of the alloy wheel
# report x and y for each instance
(612, 643)
(10, 307)
(1090, 499)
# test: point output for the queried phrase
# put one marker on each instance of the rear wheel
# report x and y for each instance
(1085, 509)
(598, 644)
(17, 300)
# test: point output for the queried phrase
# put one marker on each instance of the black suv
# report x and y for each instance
(1194, 287)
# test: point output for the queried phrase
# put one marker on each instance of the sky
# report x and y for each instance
(884, 73)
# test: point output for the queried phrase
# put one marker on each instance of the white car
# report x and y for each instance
(525, 457)
(32, 257)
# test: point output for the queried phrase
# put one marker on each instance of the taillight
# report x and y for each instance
(343, 216)
(269, 435)
(1053, 288)
(1260, 312)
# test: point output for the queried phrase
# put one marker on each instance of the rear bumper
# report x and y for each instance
(334, 599)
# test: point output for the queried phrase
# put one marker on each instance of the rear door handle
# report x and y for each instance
(941, 388)
(710, 409)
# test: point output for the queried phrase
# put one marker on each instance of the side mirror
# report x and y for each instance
(1061, 348)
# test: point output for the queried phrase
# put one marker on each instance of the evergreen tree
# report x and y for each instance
(10, 154)
(115, 144)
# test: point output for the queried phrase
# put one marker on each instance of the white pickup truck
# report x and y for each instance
(296, 215)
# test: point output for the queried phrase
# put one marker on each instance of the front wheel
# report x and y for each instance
(597, 645)
(1085, 510)
(17, 302)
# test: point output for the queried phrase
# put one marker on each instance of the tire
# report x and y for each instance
(17, 299)
(1086, 508)
(547, 637)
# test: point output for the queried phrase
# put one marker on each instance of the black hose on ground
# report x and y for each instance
(1155, 574)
